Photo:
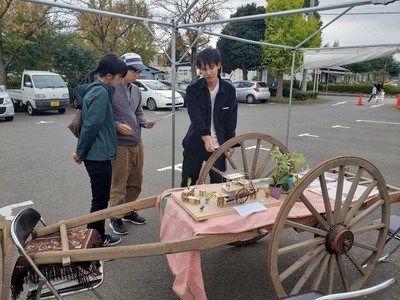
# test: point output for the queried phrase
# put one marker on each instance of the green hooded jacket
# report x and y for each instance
(98, 138)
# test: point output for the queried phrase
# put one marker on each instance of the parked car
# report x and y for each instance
(180, 87)
(6, 105)
(156, 94)
(394, 82)
(251, 91)
(227, 79)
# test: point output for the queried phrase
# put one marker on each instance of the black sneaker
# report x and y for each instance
(118, 227)
(109, 240)
(134, 218)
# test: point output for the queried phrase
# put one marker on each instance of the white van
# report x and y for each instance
(41, 90)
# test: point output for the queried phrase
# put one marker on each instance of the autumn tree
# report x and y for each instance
(236, 54)
(20, 22)
(289, 31)
(203, 11)
(108, 34)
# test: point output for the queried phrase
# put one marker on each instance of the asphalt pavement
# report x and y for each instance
(37, 170)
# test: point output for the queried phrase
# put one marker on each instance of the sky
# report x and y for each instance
(378, 25)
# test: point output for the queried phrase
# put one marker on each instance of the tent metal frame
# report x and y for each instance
(175, 26)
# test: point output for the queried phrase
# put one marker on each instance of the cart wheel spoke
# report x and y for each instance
(315, 254)
(298, 226)
(333, 235)
(365, 213)
(350, 195)
(331, 273)
(301, 245)
(322, 270)
(309, 271)
(342, 272)
(253, 158)
(354, 261)
(314, 212)
(325, 197)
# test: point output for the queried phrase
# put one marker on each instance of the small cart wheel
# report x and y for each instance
(336, 247)
(242, 195)
(252, 156)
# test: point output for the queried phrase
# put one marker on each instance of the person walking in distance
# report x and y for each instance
(373, 93)
(127, 169)
(212, 109)
(97, 143)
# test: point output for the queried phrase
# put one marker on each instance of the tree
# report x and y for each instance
(106, 34)
(287, 31)
(20, 23)
(236, 54)
(204, 10)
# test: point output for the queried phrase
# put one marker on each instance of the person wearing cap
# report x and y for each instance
(127, 169)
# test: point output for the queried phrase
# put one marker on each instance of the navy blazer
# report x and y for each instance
(199, 109)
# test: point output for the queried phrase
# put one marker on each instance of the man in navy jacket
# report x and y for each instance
(212, 108)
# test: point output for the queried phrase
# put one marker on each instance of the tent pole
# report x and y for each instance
(173, 75)
(290, 98)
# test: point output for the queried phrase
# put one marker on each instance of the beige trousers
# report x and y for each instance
(127, 175)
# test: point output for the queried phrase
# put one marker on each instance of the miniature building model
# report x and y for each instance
(186, 194)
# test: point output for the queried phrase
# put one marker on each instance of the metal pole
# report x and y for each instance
(290, 99)
(173, 75)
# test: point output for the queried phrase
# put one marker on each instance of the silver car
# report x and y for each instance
(252, 91)
(6, 105)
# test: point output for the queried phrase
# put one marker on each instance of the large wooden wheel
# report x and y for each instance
(252, 156)
(334, 251)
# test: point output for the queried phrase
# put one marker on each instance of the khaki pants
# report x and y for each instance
(127, 175)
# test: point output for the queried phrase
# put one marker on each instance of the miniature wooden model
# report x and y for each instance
(194, 199)
(237, 188)
(186, 194)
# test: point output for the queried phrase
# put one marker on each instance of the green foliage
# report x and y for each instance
(289, 31)
(189, 182)
(389, 64)
(116, 35)
(362, 88)
(287, 165)
(236, 54)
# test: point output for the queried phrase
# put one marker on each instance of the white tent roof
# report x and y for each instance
(330, 57)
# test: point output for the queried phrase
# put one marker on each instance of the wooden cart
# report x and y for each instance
(334, 248)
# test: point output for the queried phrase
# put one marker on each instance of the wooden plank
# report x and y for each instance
(203, 211)
(66, 260)
(6, 259)
(99, 215)
(146, 250)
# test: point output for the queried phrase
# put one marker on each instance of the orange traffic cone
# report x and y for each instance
(360, 100)
(398, 101)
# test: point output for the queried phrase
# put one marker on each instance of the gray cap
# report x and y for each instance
(134, 60)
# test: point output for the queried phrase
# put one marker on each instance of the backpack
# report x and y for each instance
(76, 124)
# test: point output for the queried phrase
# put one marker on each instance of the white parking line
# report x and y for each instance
(308, 134)
(377, 105)
(339, 103)
(253, 147)
(379, 122)
(178, 167)
(6, 211)
(339, 126)
(45, 122)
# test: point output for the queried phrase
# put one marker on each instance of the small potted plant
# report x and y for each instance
(287, 168)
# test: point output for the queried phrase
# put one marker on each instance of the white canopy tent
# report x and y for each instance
(340, 56)
(199, 27)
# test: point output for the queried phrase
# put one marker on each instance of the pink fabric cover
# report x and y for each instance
(176, 223)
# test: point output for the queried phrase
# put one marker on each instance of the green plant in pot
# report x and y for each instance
(287, 168)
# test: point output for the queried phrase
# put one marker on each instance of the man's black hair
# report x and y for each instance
(111, 63)
(208, 57)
